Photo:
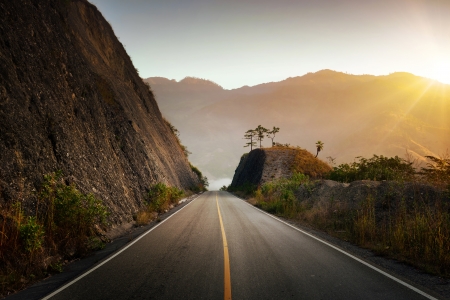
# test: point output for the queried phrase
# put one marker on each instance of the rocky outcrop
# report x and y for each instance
(267, 164)
(71, 100)
(250, 169)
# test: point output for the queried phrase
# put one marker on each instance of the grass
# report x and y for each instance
(305, 163)
(35, 241)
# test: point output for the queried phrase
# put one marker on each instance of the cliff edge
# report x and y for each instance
(71, 100)
(266, 164)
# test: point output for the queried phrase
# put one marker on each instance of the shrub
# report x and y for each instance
(279, 196)
(203, 180)
(63, 224)
(437, 171)
(375, 168)
(162, 196)
(71, 216)
(32, 234)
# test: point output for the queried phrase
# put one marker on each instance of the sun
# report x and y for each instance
(441, 71)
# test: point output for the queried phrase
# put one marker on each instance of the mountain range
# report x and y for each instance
(353, 115)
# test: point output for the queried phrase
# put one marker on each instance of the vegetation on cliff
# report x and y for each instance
(64, 223)
(71, 100)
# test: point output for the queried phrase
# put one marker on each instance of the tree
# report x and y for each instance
(319, 146)
(271, 134)
(250, 135)
(260, 132)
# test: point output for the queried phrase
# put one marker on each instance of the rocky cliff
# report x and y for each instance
(71, 100)
(267, 164)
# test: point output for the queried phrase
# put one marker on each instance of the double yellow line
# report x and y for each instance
(226, 258)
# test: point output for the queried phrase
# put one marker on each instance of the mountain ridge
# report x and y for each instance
(354, 115)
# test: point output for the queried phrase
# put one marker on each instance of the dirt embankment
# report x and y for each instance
(388, 196)
(71, 100)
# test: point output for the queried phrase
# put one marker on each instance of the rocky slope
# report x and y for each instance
(266, 164)
(71, 100)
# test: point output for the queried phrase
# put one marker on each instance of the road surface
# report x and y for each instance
(220, 247)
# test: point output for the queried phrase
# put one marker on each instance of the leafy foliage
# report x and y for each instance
(438, 171)
(32, 234)
(319, 146)
(250, 135)
(203, 180)
(258, 134)
(62, 225)
(375, 168)
(161, 196)
(278, 196)
(70, 213)
(271, 134)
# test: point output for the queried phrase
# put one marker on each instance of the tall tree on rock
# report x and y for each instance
(319, 146)
(250, 135)
(260, 132)
(271, 133)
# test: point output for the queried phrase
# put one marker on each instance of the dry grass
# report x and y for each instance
(33, 244)
(305, 163)
(416, 230)
(161, 198)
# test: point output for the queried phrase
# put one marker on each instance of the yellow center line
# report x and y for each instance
(226, 258)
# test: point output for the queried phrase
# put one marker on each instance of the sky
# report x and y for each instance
(248, 42)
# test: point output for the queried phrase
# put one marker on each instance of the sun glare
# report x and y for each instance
(441, 72)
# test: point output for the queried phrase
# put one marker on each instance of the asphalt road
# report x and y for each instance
(185, 257)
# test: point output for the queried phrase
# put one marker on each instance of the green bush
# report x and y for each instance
(162, 196)
(70, 212)
(278, 196)
(32, 234)
(62, 224)
(203, 180)
(375, 168)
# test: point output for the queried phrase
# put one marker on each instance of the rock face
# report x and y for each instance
(71, 100)
(250, 169)
(267, 164)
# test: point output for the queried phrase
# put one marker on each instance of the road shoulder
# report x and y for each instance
(434, 285)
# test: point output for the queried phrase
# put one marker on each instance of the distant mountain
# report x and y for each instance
(354, 115)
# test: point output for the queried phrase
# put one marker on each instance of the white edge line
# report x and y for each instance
(115, 254)
(348, 254)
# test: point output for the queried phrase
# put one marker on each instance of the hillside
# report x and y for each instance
(354, 115)
(268, 164)
(71, 100)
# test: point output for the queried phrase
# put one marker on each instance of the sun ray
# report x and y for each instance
(405, 113)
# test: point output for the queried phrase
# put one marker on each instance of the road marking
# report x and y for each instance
(115, 254)
(226, 258)
(348, 254)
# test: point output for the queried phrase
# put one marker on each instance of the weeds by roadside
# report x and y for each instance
(409, 220)
(160, 199)
(62, 225)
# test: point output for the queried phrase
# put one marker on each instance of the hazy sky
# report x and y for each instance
(247, 42)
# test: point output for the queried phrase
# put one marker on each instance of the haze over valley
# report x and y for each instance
(354, 115)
